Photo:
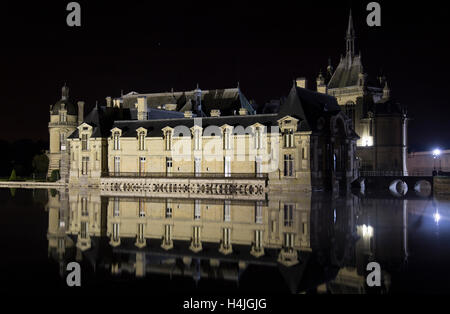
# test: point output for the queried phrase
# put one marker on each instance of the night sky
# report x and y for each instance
(147, 46)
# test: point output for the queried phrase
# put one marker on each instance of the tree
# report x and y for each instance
(40, 164)
(13, 176)
(54, 176)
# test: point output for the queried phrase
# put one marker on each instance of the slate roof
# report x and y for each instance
(102, 118)
(308, 106)
(154, 127)
(71, 108)
(226, 100)
(388, 107)
(346, 73)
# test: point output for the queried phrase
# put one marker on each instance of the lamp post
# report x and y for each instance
(436, 155)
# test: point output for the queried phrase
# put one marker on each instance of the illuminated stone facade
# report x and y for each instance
(378, 119)
(132, 144)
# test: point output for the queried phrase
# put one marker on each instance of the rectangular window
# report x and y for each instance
(141, 165)
(288, 165)
(140, 235)
(115, 235)
(168, 140)
(258, 166)
(116, 138)
(227, 139)
(289, 240)
(227, 211)
(197, 166)
(141, 141)
(197, 139)
(258, 213)
(168, 209)
(288, 136)
(62, 117)
(62, 141)
(84, 142)
(84, 229)
(84, 165)
(227, 166)
(84, 207)
(259, 138)
(304, 155)
(197, 210)
(141, 208)
(116, 209)
(288, 215)
(116, 165)
(168, 164)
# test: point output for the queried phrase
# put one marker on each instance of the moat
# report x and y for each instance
(281, 243)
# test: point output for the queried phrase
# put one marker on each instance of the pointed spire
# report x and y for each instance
(64, 92)
(350, 38)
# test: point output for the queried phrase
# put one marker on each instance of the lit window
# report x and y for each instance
(168, 140)
(288, 166)
(288, 215)
(84, 165)
(288, 137)
(141, 140)
(116, 137)
(84, 142)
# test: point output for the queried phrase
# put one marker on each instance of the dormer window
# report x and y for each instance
(84, 142)
(259, 137)
(227, 139)
(288, 138)
(168, 139)
(116, 139)
(141, 139)
(197, 139)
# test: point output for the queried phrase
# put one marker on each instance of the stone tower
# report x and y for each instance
(64, 118)
(376, 117)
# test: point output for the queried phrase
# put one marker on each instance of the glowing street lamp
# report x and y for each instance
(436, 155)
(436, 152)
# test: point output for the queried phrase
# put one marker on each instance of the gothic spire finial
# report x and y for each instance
(350, 38)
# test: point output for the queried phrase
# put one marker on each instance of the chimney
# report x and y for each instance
(116, 102)
(188, 114)
(386, 91)
(198, 101)
(80, 112)
(242, 112)
(321, 87)
(215, 113)
(301, 82)
(142, 109)
(108, 101)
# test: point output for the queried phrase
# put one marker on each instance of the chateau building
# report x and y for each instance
(378, 119)
(214, 136)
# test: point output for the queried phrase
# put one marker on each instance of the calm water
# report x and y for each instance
(283, 244)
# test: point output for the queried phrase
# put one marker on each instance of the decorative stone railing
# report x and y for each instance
(248, 188)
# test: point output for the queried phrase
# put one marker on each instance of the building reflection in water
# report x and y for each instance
(317, 243)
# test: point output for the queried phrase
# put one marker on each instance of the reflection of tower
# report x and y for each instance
(58, 219)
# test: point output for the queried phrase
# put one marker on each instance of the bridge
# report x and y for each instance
(397, 183)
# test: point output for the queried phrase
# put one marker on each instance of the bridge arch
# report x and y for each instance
(423, 188)
(398, 188)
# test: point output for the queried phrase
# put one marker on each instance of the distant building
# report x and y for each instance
(379, 120)
(424, 163)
